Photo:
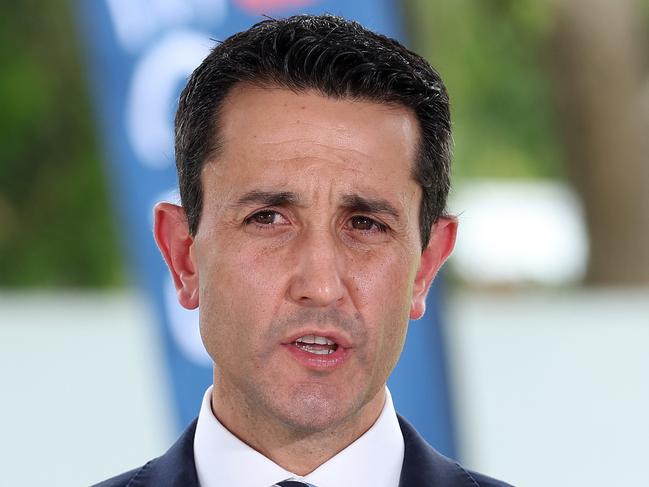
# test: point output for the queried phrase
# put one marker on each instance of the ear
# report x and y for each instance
(171, 233)
(440, 246)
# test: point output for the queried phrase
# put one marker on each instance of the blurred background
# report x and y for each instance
(544, 306)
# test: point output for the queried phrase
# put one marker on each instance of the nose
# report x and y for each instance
(317, 279)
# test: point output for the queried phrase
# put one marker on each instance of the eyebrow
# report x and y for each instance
(267, 198)
(355, 202)
(351, 202)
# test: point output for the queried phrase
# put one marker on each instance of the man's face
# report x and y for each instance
(307, 262)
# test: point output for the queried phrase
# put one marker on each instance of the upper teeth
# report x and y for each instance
(315, 339)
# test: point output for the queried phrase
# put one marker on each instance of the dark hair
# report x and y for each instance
(338, 58)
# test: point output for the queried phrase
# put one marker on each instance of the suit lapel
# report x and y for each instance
(425, 467)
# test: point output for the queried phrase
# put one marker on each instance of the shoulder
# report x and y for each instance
(485, 481)
(123, 479)
(176, 467)
(425, 466)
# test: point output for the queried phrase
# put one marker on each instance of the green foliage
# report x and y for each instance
(490, 53)
(56, 225)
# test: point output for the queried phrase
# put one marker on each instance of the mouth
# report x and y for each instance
(315, 344)
(319, 352)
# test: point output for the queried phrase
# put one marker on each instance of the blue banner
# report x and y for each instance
(140, 54)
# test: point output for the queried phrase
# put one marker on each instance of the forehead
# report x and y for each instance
(274, 135)
(266, 115)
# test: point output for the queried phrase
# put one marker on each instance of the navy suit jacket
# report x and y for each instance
(422, 467)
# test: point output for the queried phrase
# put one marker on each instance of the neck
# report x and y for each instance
(299, 449)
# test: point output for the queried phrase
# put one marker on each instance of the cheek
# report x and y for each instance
(384, 291)
(237, 298)
(383, 286)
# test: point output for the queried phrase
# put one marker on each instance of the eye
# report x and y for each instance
(367, 224)
(266, 218)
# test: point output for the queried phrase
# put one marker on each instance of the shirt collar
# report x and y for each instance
(373, 459)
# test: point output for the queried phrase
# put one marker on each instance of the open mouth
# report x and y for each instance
(317, 345)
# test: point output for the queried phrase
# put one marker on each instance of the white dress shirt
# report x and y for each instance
(223, 460)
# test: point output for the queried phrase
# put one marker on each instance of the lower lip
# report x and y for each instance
(318, 362)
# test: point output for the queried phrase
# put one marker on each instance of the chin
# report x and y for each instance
(313, 409)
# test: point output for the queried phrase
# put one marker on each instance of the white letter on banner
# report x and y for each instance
(136, 22)
(153, 91)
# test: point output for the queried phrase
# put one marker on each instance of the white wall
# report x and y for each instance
(82, 398)
(551, 388)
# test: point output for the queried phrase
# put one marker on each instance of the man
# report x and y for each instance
(313, 160)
